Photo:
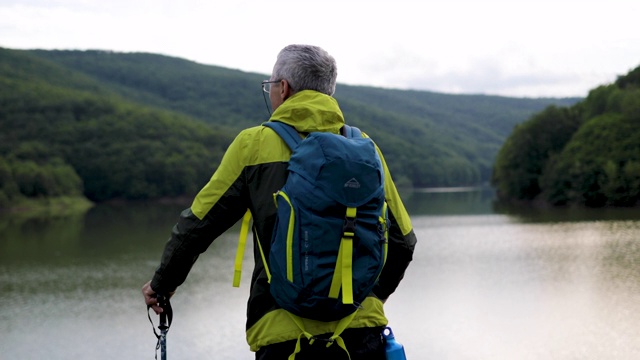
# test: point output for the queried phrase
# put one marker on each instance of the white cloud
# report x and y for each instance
(513, 48)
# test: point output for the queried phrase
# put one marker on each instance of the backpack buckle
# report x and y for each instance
(349, 227)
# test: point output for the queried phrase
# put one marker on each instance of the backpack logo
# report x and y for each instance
(353, 183)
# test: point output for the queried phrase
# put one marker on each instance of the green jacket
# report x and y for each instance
(253, 168)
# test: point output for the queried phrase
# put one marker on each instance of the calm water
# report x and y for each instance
(485, 283)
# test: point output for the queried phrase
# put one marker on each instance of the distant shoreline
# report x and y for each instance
(55, 205)
(452, 189)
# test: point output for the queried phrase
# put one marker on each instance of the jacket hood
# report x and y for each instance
(310, 111)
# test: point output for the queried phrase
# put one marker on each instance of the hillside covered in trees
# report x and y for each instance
(143, 126)
(585, 154)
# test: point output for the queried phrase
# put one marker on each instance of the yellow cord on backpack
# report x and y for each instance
(242, 241)
(341, 326)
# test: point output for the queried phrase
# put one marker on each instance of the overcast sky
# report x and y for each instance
(522, 48)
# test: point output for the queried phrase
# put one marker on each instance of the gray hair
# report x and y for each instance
(306, 67)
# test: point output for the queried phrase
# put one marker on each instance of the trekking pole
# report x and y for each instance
(166, 317)
(163, 330)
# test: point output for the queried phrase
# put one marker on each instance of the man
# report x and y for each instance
(251, 171)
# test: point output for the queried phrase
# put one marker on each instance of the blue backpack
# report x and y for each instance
(329, 241)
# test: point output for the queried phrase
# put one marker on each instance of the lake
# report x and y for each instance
(487, 282)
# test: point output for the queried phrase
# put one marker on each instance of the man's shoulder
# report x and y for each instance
(253, 130)
(254, 140)
(252, 133)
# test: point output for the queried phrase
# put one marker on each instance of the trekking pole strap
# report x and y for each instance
(166, 317)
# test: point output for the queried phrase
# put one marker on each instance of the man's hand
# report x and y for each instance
(150, 298)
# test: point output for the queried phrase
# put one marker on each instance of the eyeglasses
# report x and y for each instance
(266, 85)
(266, 88)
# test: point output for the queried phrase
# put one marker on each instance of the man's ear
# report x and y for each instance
(285, 90)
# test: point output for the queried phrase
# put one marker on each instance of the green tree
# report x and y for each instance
(8, 188)
(589, 156)
(599, 165)
(524, 155)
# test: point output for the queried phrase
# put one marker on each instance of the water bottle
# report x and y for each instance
(393, 349)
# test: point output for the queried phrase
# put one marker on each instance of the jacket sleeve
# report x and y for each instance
(217, 207)
(402, 240)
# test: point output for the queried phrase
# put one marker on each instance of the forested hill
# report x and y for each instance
(137, 125)
(585, 154)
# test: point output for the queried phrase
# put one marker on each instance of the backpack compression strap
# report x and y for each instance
(343, 273)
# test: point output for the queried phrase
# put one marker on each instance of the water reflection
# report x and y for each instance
(485, 287)
(525, 213)
(487, 282)
(448, 201)
(38, 239)
(477, 201)
(104, 230)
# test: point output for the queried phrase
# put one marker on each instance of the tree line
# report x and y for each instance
(63, 142)
(431, 139)
(143, 126)
(586, 154)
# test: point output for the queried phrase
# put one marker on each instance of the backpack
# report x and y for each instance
(329, 241)
(330, 238)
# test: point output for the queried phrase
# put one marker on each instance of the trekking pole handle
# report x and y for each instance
(166, 316)
(163, 322)
(163, 302)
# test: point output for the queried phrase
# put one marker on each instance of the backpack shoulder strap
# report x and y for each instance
(351, 131)
(287, 132)
(290, 136)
